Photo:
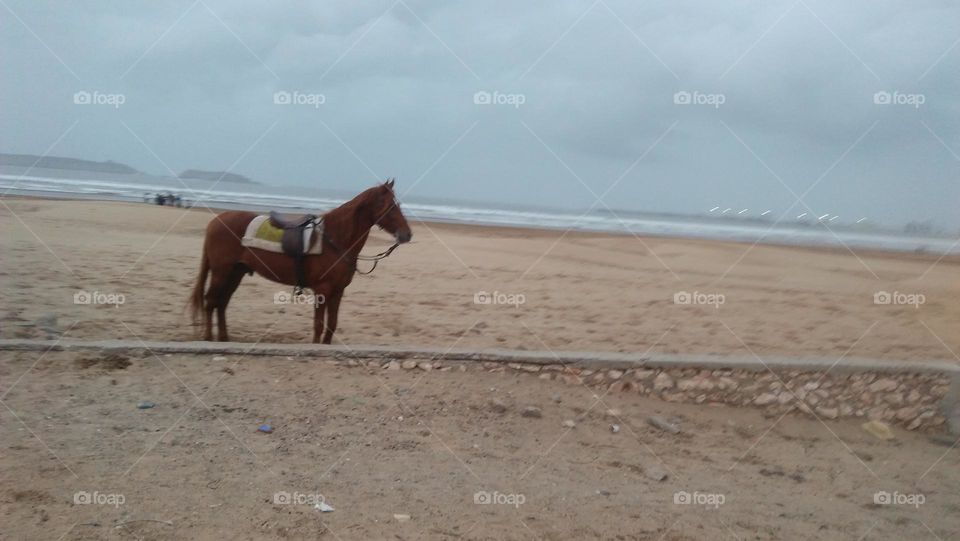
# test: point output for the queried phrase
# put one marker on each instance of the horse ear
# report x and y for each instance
(390, 182)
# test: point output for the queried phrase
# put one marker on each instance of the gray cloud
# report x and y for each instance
(598, 79)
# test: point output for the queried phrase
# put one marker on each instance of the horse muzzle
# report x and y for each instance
(404, 236)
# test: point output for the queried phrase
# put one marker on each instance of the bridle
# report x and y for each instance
(375, 258)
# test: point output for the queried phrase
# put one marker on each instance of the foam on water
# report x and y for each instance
(260, 197)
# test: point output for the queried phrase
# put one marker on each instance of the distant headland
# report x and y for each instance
(75, 164)
(216, 176)
(71, 164)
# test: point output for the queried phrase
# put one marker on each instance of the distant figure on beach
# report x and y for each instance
(168, 199)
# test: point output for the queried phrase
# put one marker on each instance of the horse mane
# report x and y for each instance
(343, 219)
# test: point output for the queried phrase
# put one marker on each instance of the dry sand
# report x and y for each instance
(582, 291)
(376, 442)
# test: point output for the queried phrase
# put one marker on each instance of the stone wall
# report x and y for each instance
(911, 400)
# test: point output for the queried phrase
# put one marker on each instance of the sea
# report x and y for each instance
(68, 184)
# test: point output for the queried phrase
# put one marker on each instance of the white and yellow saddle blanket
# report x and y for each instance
(262, 234)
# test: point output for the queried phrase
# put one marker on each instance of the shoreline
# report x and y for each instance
(551, 232)
(580, 291)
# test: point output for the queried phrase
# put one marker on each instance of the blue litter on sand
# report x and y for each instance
(145, 405)
(266, 429)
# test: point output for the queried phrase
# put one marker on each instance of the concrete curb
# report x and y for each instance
(949, 405)
(592, 360)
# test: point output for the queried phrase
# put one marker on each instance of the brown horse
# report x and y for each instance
(345, 231)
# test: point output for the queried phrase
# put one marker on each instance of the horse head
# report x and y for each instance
(387, 209)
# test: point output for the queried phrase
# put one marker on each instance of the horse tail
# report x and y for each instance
(196, 298)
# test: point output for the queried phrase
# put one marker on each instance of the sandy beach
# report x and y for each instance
(579, 291)
(407, 453)
(451, 451)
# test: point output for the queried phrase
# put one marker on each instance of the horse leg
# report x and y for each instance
(333, 307)
(318, 309)
(210, 302)
(322, 295)
(219, 278)
(233, 281)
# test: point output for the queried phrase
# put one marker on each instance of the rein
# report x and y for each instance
(375, 258)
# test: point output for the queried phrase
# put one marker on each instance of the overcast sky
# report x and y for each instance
(587, 93)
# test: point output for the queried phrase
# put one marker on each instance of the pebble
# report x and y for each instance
(409, 364)
(393, 365)
(615, 429)
(655, 472)
(557, 398)
(885, 384)
(532, 411)
(569, 423)
(401, 518)
(266, 429)
(662, 381)
(145, 405)
(497, 405)
(663, 424)
(829, 413)
(219, 358)
(615, 374)
(765, 399)
(614, 412)
(879, 429)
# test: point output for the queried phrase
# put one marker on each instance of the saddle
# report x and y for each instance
(295, 242)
